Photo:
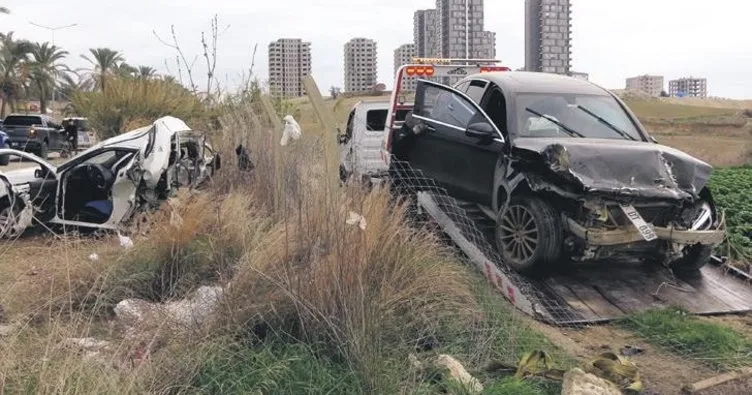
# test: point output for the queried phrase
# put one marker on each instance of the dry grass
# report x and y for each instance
(665, 110)
(279, 236)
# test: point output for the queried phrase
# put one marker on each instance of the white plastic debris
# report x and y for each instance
(94, 256)
(458, 372)
(125, 241)
(292, 130)
(355, 218)
(192, 311)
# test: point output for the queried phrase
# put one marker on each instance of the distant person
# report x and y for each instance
(71, 130)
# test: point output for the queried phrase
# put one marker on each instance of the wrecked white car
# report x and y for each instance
(104, 185)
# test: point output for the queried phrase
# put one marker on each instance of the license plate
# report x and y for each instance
(646, 231)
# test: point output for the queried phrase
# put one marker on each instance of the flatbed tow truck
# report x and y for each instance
(590, 293)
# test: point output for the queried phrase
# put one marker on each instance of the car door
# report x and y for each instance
(447, 150)
(122, 192)
(53, 134)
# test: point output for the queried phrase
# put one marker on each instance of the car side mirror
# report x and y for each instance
(480, 130)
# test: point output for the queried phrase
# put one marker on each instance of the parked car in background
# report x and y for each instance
(35, 133)
(4, 144)
(360, 145)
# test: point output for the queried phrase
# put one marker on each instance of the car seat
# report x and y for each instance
(96, 211)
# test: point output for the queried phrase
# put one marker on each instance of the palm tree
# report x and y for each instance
(14, 70)
(71, 82)
(124, 70)
(45, 70)
(105, 61)
(146, 72)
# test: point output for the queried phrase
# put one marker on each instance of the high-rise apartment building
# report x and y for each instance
(460, 30)
(650, 84)
(360, 64)
(453, 30)
(548, 30)
(688, 87)
(403, 55)
(289, 62)
(425, 34)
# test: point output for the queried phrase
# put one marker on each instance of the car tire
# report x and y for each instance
(529, 235)
(695, 257)
(5, 159)
(43, 150)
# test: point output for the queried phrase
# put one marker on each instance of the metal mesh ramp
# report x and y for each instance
(594, 293)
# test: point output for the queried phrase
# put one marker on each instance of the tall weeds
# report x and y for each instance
(309, 285)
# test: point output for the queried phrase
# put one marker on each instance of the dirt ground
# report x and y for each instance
(661, 372)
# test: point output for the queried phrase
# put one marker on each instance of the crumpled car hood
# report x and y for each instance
(620, 167)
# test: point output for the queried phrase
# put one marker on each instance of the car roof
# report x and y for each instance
(534, 82)
(27, 115)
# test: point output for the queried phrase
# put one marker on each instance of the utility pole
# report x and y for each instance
(53, 29)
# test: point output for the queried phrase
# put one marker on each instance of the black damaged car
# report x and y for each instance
(566, 170)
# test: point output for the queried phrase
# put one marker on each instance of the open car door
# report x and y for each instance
(456, 143)
(98, 190)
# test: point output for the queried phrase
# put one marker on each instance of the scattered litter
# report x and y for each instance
(615, 369)
(699, 386)
(577, 382)
(355, 218)
(631, 350)
(244, 158)
(292, 130)
(458, 372)
(94, 256)
(187, 312)
(125, 241)
(87, 343)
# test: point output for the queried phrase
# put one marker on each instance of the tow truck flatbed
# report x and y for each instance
(597, 292)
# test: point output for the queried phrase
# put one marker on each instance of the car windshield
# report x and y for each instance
(22, 120)
(573, 115)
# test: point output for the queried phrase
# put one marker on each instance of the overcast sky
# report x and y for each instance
(611, 39)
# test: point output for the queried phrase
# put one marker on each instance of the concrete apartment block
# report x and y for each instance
(289, 62)
(460, 30)
(650, 84)
(425, 33)
(548, 29)
(360, 64)
(688, 87)
(404, 54)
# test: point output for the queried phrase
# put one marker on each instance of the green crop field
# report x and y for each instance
(732, 189)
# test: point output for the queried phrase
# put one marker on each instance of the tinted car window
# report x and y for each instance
(462, 87)
(447, 107)
(577, 112)
(476, 90)
(376, 120)
(22, 120)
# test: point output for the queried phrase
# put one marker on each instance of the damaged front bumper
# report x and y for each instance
(629, 234)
